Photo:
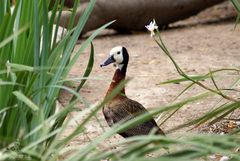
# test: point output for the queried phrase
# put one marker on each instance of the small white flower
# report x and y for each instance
(8, 68)
(152, 27)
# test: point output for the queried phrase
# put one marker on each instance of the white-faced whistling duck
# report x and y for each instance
(121, 108)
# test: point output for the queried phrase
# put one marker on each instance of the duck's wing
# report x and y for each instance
(129, 109)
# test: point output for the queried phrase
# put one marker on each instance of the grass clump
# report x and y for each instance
(34, 64)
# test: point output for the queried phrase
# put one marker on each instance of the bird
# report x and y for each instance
(121, 108)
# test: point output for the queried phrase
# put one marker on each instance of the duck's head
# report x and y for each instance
(118, 56)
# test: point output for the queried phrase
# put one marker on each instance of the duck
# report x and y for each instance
(121, 108)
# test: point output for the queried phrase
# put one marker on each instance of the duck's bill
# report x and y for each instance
(108, 61)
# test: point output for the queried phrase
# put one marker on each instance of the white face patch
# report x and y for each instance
(117, 54)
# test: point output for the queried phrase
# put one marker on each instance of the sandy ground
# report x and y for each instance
(204, 42)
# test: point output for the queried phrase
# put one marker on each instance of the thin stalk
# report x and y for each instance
(181, 72)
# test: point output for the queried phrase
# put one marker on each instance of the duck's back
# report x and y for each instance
(123, 109)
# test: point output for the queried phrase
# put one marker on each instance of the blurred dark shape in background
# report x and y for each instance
(135, 14)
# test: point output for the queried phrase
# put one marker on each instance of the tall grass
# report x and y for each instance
(33, 68)
(236, 4)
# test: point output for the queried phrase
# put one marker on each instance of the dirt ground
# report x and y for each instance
(198, 44)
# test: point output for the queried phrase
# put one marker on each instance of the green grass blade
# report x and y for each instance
(236, 4)
(21, 67)
(13, 36)
(74, 11)
(196, 78)
(36, 34)
(87, 71)
(26, 100)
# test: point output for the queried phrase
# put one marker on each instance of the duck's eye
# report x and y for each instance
(118, 52)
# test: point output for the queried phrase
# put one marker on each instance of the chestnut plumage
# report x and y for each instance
(121, 108)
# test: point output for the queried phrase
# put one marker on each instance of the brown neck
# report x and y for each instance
(117, 78)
